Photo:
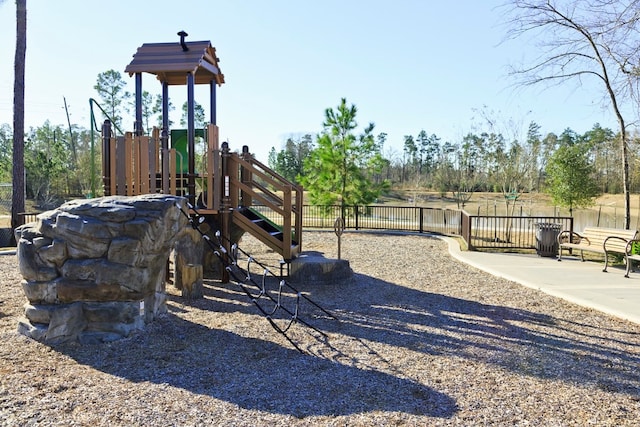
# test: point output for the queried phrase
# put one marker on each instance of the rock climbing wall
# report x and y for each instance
(95, 270)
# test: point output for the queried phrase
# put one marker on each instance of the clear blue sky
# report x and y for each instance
(407, 65)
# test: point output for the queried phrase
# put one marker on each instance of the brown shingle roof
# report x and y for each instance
(170, 63)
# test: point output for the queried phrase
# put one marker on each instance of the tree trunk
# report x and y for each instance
(624, 152)
(17, 198)
(626, 180)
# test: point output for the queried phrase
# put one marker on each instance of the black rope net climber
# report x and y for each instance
(259, 285)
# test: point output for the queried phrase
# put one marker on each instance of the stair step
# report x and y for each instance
(267, 227)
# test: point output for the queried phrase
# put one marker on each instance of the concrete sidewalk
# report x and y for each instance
(583, 283)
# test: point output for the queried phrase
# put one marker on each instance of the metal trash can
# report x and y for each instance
(547, 238)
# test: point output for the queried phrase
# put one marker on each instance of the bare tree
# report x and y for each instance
(578, 40)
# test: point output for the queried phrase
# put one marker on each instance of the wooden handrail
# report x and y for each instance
(283, 198)
(265, 201)
(257, 164)
(271, 177)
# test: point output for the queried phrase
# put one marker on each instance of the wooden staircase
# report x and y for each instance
(266, 231)
(265, 204)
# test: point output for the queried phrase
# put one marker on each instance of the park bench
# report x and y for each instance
(596, 239)
(631, 253)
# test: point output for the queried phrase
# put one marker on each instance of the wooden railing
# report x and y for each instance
(134, 165)
(254, 184)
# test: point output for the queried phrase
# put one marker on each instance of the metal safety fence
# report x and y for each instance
(395, 218)
(512, 232)
(479, 231)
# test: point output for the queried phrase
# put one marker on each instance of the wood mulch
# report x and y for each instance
(420, 339)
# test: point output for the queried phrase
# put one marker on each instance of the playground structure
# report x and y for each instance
(223, 187)
(106, 276)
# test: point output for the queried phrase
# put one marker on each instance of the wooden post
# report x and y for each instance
(187, 262)
(171, 179)
(299, 212)
(128, 165)
(120, 166)
(225, 208)
(113, 149)
(287, 238)
(191, 275)
(246, 177)
(144, 172)
(154, 163)
(213, 163)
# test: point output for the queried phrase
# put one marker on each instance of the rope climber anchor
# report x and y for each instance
(242, 278)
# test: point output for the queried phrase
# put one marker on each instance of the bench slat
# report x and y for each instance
(597, 239)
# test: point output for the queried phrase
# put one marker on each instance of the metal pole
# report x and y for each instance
(106, 157)
(191, 185)
(355, 209)
(164, 138)
(212, 101)
(137, 126)
(338, 228)
(93, 151)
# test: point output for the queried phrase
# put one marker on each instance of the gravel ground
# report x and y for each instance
(419, 339)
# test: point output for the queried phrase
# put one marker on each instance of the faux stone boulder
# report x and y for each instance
(94, 270)
(313, 268)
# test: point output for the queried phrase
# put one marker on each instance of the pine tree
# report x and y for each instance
(111, 88)
(341, 168)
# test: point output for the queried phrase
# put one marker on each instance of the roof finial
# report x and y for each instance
(182, 35)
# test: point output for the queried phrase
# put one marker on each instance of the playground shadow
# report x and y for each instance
(256, 374)
(262, 375)
(524, 342)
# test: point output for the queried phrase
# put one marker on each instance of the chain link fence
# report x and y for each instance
(5, 214)
(6, 191)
